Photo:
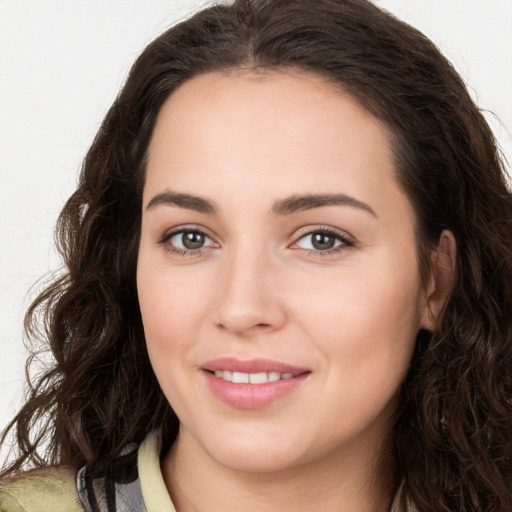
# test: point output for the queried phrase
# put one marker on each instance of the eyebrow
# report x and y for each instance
(282, 207)
(181, 200)
(298, 203)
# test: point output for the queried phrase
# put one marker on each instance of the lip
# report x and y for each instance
(252, 396)
(233, 364)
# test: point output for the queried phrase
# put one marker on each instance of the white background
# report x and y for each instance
(61, 65)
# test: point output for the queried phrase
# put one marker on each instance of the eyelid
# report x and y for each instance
(347, 240)
(176, 230)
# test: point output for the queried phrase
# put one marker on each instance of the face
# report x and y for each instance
(277, 272)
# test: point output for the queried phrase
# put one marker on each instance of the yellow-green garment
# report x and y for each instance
(54, 489)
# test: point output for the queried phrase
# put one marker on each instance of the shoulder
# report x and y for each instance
(42, 490)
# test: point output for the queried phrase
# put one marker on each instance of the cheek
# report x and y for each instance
(364, 325)
(172, 305)
(364, 316)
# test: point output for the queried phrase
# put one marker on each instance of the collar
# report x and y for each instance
(132, 483)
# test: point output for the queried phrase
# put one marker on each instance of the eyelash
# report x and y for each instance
(165, 241)
(346, 241)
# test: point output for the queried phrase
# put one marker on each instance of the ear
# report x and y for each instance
(442, 278)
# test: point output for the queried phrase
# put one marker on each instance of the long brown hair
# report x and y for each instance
(452, 440)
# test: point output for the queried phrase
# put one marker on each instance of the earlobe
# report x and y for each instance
(442, 279)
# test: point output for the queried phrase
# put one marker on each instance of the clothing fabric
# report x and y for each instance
(43, 490)
(133, 483)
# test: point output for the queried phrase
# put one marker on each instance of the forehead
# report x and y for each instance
(275, 133)
(267, 100)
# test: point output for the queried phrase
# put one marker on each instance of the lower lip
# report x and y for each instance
(252, 396)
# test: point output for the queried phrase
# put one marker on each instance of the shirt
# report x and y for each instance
(133, 483)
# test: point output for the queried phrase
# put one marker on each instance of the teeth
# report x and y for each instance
(224, 375)
(273, 376)
(251, 378)
(240, 378)
(258, 378)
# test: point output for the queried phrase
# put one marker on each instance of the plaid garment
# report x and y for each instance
(119, 489)
(116, 489)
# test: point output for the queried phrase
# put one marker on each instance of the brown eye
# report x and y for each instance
(322, 241)
(192, 239)
(189, 240)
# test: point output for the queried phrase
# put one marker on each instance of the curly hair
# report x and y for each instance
(452, 437)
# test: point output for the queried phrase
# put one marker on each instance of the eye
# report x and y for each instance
(187, 240)
(323, 241)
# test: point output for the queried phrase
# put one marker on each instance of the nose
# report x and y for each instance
(249, 298)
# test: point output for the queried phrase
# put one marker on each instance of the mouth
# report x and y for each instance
(254, 383)
(251, 378)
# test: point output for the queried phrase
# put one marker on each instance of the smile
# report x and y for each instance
(252, 384)
(251, 378)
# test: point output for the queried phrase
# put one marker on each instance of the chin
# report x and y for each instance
(258, 460)
(254, 453)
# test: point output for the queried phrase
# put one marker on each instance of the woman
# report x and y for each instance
(288, 288)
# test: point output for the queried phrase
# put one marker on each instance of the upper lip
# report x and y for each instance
(251, 366)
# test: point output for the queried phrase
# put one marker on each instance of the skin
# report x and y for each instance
(259, 288)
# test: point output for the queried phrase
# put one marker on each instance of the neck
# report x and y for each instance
(344, 481)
